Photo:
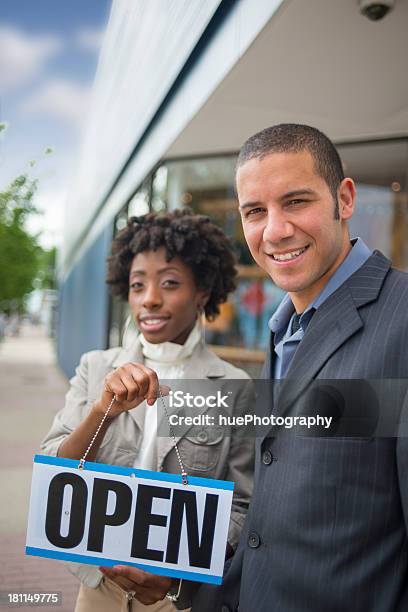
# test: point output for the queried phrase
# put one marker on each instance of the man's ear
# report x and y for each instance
(346, 197)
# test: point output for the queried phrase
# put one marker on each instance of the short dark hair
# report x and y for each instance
(200, 244)
(295, 138)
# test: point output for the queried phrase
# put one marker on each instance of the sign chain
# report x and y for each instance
(184, 475)
(82, 461)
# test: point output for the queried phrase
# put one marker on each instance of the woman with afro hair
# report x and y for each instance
(172, 268)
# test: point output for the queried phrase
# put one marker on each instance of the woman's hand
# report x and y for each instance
(148, 588)
(130, 384)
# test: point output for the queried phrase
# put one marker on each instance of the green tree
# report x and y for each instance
(24, 265)
(20, 254)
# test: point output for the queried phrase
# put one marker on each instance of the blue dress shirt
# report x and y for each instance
(287, 340)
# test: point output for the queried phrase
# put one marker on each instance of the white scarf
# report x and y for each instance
(167, 360)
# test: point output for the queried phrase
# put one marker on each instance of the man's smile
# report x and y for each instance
(286, 257)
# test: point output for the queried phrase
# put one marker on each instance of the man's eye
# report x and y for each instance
(254, 211)
(295, 202)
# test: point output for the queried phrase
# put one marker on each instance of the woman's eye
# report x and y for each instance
(136, 285)
(170, 283)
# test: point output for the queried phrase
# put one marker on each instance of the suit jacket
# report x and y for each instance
(327, 526)
(210, 452)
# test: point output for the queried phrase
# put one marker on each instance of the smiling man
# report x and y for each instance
(294, 208)
(328, 521)
(295, 203)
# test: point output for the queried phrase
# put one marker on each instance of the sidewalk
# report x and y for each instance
(31, 391)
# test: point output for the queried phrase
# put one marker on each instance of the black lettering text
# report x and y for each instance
(99, 517)
(77, 513)
(144, 518)
(199, 549)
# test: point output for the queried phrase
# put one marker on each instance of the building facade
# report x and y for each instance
(180, 85)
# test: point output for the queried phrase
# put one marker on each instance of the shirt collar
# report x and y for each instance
(281, 317)
(357, 256)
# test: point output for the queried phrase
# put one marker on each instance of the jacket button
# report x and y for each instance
(267, 457)
(202, 436)
(254, 540)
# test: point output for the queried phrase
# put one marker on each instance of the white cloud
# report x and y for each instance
(23, 56)
(91, 40)
(63, 99)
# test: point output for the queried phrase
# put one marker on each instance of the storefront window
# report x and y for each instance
(381, 214)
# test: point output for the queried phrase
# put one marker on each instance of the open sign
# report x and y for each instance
(108, 515)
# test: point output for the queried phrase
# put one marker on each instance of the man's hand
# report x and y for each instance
(148, 588)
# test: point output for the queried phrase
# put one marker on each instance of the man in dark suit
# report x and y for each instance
(327, 526)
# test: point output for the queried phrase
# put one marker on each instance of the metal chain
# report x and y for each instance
(82, 461)
(184, 475)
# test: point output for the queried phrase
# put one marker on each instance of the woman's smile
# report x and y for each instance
(152, 323)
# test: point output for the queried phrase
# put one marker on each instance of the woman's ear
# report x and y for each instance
(202, 301)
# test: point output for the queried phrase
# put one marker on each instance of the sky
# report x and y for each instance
(48, 58)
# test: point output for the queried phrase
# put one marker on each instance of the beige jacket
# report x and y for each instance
(207, 452)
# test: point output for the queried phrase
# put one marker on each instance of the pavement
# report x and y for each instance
(32, 390)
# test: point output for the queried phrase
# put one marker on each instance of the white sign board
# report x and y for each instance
(108, 515)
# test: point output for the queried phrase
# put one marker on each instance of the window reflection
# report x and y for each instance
(381, 215)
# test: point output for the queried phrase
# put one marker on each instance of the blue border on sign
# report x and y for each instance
(100, 561)
(127, 471)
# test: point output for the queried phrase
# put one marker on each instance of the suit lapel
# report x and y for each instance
(331, 326)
